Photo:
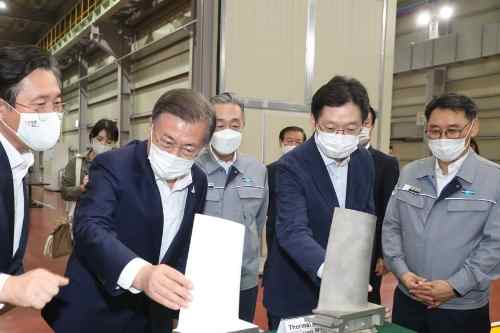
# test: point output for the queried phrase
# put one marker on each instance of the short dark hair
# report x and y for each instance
(109, 126)
(455, 102)
(187, 105)
(228, 98)
(374, 115)
(292, 129)
(17, 62)
(339, 91)
(474, 145)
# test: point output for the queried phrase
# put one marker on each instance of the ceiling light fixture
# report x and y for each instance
(446, 12)
(3, 5)
(424, 18)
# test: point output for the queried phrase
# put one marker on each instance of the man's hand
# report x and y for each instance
(412, 281)
(380, 268)
(164, 285)
(434, 293)
(32, 289)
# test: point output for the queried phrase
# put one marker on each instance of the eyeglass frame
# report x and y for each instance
(445, 132)
(38, 113)
(344, 131)
(34, 107)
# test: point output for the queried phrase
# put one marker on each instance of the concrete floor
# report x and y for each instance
(42, 221)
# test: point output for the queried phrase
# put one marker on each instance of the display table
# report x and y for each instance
(387, 328)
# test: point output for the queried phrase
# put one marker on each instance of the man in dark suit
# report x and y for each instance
(329, 170)
(289, 138)
(133, 226)
(30, 120)
(386, 178)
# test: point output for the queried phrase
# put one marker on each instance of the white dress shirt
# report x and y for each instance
(441, 179)
(173, 202)
(225, 165)
(338, 175)
(19, 163)
(338, 172)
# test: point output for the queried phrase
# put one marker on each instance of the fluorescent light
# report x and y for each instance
(424, 18)
(446, 12)
(3, 5)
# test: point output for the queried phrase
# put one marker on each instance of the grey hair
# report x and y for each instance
(187, 105)
(228, 98)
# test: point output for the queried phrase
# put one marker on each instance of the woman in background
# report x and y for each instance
(103, 137)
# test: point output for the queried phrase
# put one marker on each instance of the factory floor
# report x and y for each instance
(42, 221)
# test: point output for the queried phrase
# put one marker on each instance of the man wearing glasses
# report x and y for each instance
(30, 120)
(329, 170)
(132, 226)
(441, 232)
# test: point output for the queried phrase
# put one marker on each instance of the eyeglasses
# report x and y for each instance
(347, 131)
(41, 110)
(449, 133)
(44, 107)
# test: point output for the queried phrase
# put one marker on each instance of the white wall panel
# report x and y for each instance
(348, 42)
(265, 49)
(252, 142)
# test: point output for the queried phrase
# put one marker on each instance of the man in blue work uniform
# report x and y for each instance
(441, 232)
(237, 191)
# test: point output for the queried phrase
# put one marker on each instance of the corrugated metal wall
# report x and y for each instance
(153, 71)
(478, 78)
(266, 49)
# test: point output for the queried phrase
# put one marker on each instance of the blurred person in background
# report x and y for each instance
(103, 137)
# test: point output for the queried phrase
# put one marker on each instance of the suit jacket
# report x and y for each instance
(120, 217)
(306, 202)
(271, 209)
(386, 178)
(10, 264)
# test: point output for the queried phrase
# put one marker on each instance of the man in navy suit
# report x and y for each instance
(133, 226)
(329, 170)
(386, 178)
(30, 120)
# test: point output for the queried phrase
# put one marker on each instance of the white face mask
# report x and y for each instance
(227, 141)
(448, 150)
(39, 131)
(287, 149)
(99, 148)
(337, 146)
(364, 136)
(168, 166)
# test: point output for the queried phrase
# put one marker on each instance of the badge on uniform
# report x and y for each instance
(247, 180)
(410, 188)
(468, 193)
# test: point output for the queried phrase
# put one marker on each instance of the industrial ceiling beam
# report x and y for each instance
(23, 12)
(44, 21)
